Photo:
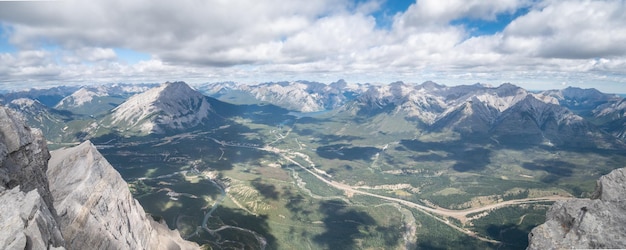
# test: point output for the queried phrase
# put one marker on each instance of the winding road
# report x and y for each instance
(460, 215)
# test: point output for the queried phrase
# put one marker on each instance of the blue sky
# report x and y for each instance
(537, 44)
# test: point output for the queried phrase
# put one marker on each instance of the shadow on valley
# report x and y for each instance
(471, 159)
(467, 158)
(299, 207)
(267, 190)
(556, 169)
(232, 236)
(266, 114)
(346, 227)
(154, 155)
(346, 152)
(512, 236)
(327, 139)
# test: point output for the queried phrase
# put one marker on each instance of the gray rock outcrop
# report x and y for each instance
(23, 156)
(26, 222)
(96, 209)
(599, 222)
(27, 217)
(78, 201)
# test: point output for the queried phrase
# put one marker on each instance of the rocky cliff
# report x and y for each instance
(27, 218)
(95, 207)
(599, 222)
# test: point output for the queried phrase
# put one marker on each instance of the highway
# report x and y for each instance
(460, 215)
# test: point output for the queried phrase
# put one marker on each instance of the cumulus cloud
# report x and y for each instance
(436, 12)
(570, 29)
(76, 40)
(166, 28)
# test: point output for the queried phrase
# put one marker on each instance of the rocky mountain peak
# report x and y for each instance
(340, 84)
(303, 96)
(472, 116)
(172, 88)
(169, 106)
(397, 84)
(580, 99)
(78, 98)
(541, 112)
(26, 104)
(430, 86)
(507, 89)
(579, 93)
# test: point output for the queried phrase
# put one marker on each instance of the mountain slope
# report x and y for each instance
(580, 101)
(473, 116)
(537, 122)
(96, 209)
(476, 111)
(171, 106)
(301, 96)
(48, 97)
(416, 102)
(506, 113)
(51, 122)
(99, 99)
(611, 117)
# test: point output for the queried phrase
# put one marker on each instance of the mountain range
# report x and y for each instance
(570, 117)
(184, 149)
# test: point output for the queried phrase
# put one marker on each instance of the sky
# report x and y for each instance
(535, 44)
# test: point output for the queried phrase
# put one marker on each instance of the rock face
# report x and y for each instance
(32, 226)
(96, 209)
(27, 218)
(23, 156)
(599, 222)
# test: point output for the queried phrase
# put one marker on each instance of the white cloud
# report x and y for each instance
(96, 54)
(318, 40)
(437, 12)
(333, 37)
(570, 29)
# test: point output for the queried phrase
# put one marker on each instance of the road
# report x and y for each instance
(461, 215)
(457, 214)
